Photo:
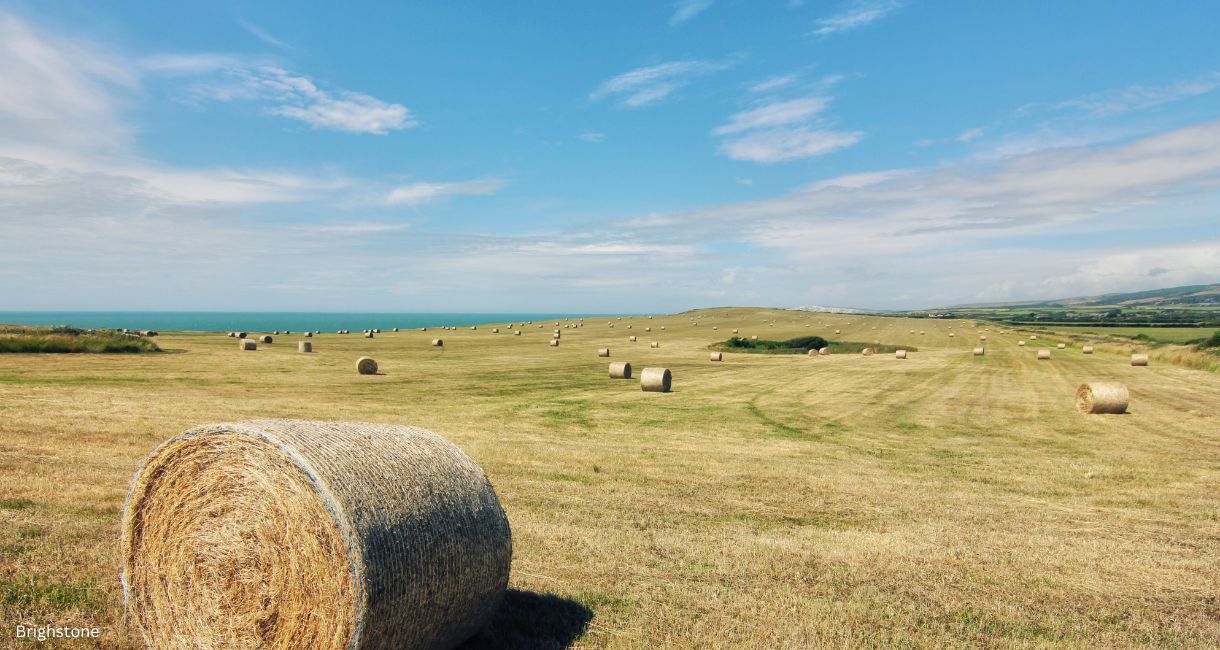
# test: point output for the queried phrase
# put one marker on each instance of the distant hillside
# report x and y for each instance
(1198, 295)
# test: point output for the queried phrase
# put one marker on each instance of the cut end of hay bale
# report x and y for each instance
(304, 346)
(1139, 359)
(247, 344)
(716, 356)
(656, 380)
(1102, 397)
(1043, 355)
(246, 535)
(366, 366)
(620, 370)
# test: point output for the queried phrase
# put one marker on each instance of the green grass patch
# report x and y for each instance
(853, 347)
(59, 340)
(799, 345)
(16, 504)
(34, 593)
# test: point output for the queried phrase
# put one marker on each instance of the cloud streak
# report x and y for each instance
(653, 84)
(856, 15)
(685, 10)
(426, 192)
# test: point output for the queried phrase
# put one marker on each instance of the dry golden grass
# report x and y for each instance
(768, 501)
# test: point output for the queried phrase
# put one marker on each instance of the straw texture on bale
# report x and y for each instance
(620, 370)
(247, 344)
(1139, 359)
(366, 366)
(438, 343)
(1044, 354)
(1088, 349)
(603, 352)
(264, 339)
(304, 346)
(1102, 397)
(900, 354)
(656, 380)
(295, 534)
(868, 352)
(715, 356)
(978, 352)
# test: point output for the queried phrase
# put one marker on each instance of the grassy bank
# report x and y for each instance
(32, 340)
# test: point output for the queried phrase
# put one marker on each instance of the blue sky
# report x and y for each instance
(582, 156)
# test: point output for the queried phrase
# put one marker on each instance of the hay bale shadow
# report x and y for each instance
(531, 620)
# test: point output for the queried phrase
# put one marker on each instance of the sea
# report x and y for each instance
(218, 321)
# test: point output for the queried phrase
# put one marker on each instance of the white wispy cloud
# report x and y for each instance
(773, 83)
(855, 15)
(774, 114)
(651, 84)
(262, 34)
(1136, 97)
(970, 134)
(781, 131)
(592, 136)
(424, 192)
(684, 10)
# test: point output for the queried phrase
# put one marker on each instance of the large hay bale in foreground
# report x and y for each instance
(366, 366)
(1044, 354)
(900, 354)
(247, 344)
(1139, 359)
(620, 370)
(603, 352)
(304, 346)
(978, 352)
(715, 356)
(295, 534)
(1102, 397)
(656, 380)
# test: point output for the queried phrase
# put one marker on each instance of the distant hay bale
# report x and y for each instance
(1021, 343)
(556, 332)
(900, 354)
(1088, 349)
(655, 344)
(714, 327)
(231, 334)
(297, 534)
(366, 366)
(554, 343)
(1033, 337)
(663, 327)
(247, 344)
(836, 332)
(868, 352)
(1102, 397)
(423, 329)
(824, 352)
(1061, 346)
(656, 380)
(276, 332)
(264, 339)
(631, 338)
(474, 327)
(813, 352)
(982, 338)
(978, 352)
(368, 335)
(620, 370)
(628, 327)
(556, 336)
(647, 329)
(754, 337)
(304, 346)
(495, 330)
(950, 334)
(395, 329)
(734, 330)
(922, 333)
(911, 332)
(1139, 359)
(516, 332)
(438, 343)
(242, 335)
(308, 335)
(1044, 354)
(715, 356)
(603, 352)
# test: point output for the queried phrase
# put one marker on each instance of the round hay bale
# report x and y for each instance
(715, 356)
(647, 329)
(556, 336)
(308, 335)
(978, 352)
(264, 339)
(1088, 349)
(554, 343)
(1102, 397)
(297, 534)
(824, 352)
(241, 335)
(395, 329)
(366, 366)
(247, 344)
(628, 327)
(813, 352)
(868, 352)
(516, 332)
(423, 329)
(982, 338)
(231, 334)
(1139, 359)
(1061, 346)
(911, 332)
(438, 343)
(900, 354)
(474, 327)
(655, 344)
(495, 330)
(620, 370)
(950, 334)
(656, 380)
(368, 335)
(1033, 337)
(836, 332)
(304, 346)
(1044, 354)
(603, 352)
(1021, 343)
(276, 332)
(631, 338)
(734, 330)
(377, 331)
(922, 333)
(754, 337)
